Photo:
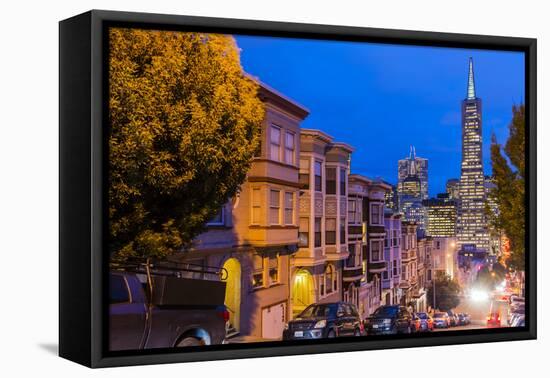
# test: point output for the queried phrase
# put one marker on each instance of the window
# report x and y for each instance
(317, 232)
(395, 272)
(119, 289)
(331, 181)
(343, 173)
(303, 232)
(352, 260)
(256, 205)
(343, 231)
(387, 239)
(218, 219)
(330, 231)
(375, 214)
(258, 271)
(274, 269)
(304, 174)
(318, 176)
(274, 206)
(352, 211)
(289, 208)
(275, 140)
(375, 250)
(289, 148)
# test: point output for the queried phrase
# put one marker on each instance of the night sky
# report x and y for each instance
(383, 98)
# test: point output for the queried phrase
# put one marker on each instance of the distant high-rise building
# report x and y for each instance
(410, 201)
(440, 216)
(472, 220)
(390, 198)
(414, 166)
(453, 188)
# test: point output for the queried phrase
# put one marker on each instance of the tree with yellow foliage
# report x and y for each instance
(184, 123)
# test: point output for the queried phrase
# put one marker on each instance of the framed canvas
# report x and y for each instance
(235, 188)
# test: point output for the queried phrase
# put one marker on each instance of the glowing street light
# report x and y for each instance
(479, 295)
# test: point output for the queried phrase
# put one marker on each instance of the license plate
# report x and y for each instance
(375, 326)
(299, 334)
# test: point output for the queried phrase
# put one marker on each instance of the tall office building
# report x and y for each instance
(472, 221)
(414, 166)
(453, 188)
(440, 216)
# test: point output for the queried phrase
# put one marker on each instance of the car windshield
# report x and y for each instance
(422, 315)
(386, 312)
(440, 315)
(318, 311)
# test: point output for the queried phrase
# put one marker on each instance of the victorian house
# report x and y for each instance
(409, 273)
(391, 278)
(254, 235)
(316, 268)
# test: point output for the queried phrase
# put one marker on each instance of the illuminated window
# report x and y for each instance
(258, 271)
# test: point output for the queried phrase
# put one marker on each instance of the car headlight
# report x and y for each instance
(286, 326)
(321, 324)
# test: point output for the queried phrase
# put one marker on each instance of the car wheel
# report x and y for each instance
(189, 341)
(331, 334)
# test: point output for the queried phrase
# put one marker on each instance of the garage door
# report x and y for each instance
(273, 321)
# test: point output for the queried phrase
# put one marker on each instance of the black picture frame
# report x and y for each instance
(82, 228)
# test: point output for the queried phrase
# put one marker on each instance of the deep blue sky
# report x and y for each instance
(383, 98)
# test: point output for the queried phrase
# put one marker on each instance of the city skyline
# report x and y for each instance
(364, 82)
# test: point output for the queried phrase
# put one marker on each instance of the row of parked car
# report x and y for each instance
(337, 319)
(451, 319)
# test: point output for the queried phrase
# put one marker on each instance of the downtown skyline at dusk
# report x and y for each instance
(367, 89)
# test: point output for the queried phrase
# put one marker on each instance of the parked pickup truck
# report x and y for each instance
(165, 312)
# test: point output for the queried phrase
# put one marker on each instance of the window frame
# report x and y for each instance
(277, 207)
(272, 142)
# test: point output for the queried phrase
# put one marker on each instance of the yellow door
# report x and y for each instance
(303, 291)
(233, 293)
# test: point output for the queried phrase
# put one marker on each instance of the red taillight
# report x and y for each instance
(224, 314)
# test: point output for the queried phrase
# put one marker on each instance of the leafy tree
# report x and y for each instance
(509, 176)
(184, 125)
(447, 293)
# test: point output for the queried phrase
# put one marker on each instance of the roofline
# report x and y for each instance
(317, 133)
(295, 106)
(358, 177)
(344, 146)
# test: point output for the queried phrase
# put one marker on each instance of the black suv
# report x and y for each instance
(389, 320)
(325, 320)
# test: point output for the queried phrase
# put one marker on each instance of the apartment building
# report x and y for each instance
(409, 278)
(317, 266)
(254, 234)
(391, 278)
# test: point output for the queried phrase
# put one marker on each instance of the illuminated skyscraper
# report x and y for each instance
(453, 188)
(472, 220)
(440, 216)
(414, 166)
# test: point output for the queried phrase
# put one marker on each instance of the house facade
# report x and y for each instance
(409, 273)
(255, 234)
(391, 278)
(317, 266)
